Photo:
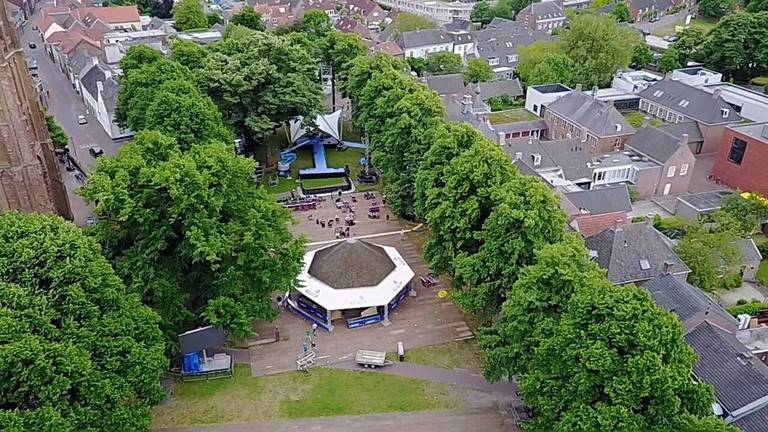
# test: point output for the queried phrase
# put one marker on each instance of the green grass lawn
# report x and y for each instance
(702, 23)
(323, 392)
(323, 182)
(762, 272)
(635, 119)
(501, 117)
(464, 354)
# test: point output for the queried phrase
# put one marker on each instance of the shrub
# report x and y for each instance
(763, 248)
(751, 308)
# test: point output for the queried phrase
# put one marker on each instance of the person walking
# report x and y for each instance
(314, 329)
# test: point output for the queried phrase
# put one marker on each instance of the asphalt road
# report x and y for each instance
(65, 105)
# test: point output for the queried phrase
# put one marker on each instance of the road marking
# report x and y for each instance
(394, 332)
(87, 146)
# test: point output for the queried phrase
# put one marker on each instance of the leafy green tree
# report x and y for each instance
(407, 134)
(191, 234)
(598, 373)
(478, 70)
(189, 15)
(535, 304)
(711, 256)
(450, 141)
(555, 68)
(248, 18)
(622, 12)
(670, 60)
(509, 8)
(688, 44)
(532, 55)
(597, 4)
(482, 12)
(59, 138)
(741, 215)
(418, 65)
(338, 51)
(138, 87)
(315, 23)
(642, 56)
(526, 217)
(599, 47)
(464, 203)
(179, 110)
(405, 22)
(188, 54)
(737, 46)
(705, 424)
(138, 56)
(716, 8)
(444, 62)
(260, 80)
(77, 352)
(214, 18)
(756, 6)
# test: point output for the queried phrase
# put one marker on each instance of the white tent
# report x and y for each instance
(360, 297)
(328, 123)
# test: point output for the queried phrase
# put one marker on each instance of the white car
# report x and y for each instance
(81, 120)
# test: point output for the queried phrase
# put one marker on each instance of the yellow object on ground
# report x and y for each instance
(442, 294)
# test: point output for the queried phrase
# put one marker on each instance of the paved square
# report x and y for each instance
(418, 321)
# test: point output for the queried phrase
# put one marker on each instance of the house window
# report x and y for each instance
(683, 169)
(738, 147)
(512, 58)
(671, 171)
(493, 61)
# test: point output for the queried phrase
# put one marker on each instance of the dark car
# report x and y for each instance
(32, 45)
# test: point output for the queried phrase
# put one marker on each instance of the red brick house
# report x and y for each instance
(742, 161)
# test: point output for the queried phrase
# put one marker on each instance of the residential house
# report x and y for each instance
(577, 4)
(369, 12)
(389, 47)
(99, 89)
(116, 44)
(201, 38)
(643, 10)
(421, 43)
(635, 253)
(591, 212)
(675, 102)
(695, 137)
(327, 6)
(634, 81)
(742, 160)
(447, 84)
(510, 88)
(499, 46)
(723, 360)
(348, 24)
(115, 17)
(596, 123)
(750, 104)
(436, 10)
(463, 40)
(544, 15)
(693, 207)
(276, 15)
(696, 76)
(538, 96)
(671, 153)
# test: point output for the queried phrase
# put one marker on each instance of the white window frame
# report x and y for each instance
(683, 169)
(671, 171)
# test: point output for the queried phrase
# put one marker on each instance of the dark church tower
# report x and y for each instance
(29, 176)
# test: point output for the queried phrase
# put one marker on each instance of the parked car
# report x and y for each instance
(654, 19)
(81, 120)
(32, 45)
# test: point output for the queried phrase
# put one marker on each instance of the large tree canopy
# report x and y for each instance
(77, 352)
(189, 15)
(192, 234)
(260, 80)
(738, 46)
(248, 18)
(616, 361)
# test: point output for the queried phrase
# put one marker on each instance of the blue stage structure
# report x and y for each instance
(318, 154)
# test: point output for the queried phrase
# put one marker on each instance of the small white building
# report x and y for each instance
(99, 89)
(421, 43)
(696, 76)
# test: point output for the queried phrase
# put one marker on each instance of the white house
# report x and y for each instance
(99, 90)
(440, 11)
(421, 43)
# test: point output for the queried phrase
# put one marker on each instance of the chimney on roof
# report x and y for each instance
(466, 104)
(667, 268)
(646, 121)
(578, 87)
(684, 139)
(716, 93)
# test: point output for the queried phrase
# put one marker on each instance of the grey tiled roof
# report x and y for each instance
(501, 87)
(545, 10)
(690, 101)
(599, 117)
(726, 364)
(678, 129)
(568, 155)
(111, 90)
(604, 200)
(446, 84)
(458, 25)
(749, 252)
(89, 80)
(755, 421)
(623, 251)
(351, 264)
(419, 38)
(655, 143)
(684, 299)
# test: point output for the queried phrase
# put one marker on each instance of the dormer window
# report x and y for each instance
(658, 93)
(724, 112)
(536, 159)
(493, 61)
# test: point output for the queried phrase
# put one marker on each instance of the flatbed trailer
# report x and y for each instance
(371, 359)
